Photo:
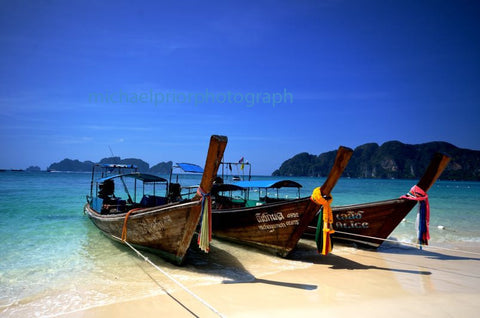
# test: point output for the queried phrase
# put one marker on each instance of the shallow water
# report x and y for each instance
(53, 260)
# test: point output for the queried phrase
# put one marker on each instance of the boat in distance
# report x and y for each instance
(369, 224)
(159, 223)
(270, 223)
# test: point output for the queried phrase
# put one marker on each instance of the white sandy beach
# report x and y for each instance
(393, 281)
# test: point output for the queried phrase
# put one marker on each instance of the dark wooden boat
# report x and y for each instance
(275, 226)
(369, 224)
(154, 223)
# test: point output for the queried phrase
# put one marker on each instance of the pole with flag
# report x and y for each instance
(242, 161)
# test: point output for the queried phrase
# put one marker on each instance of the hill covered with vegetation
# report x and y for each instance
(392, 159)
(79, 166)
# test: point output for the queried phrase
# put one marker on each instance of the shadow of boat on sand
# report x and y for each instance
(305, 253)
(221, 262)
(219, 265)
(443, 254)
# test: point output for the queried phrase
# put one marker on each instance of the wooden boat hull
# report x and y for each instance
(363, 223)
(276, 226)
(167, 230)
(369, 224)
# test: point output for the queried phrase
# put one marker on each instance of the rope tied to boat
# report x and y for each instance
(175, 281)
(325, 222)
(205, 235)
(423, 214)
(124, 229)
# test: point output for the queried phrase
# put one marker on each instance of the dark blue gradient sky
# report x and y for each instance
(356, 71)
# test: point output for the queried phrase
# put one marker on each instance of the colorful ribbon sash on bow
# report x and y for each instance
(325, 221)
(205, 235)
(423, 214)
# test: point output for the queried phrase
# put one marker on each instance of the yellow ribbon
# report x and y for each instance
(327, 219)
(205, 235)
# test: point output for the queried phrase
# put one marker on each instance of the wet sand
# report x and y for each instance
(392, 281)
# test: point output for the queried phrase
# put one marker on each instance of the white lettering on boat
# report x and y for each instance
(293, 215)
(292, 222)
(272, 226)
(268, 217)
(279, 219)
(350, 215)
(351, 220)
(351, 225)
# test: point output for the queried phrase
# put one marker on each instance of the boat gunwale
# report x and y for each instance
(262, 206)
(371, 204)
(143, 212)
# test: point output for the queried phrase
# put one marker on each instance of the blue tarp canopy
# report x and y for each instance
(268, 184)
(189, 167)
(145, 177)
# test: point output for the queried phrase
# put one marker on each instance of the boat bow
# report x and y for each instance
(276, 225)
(369, 224)
(166, 229)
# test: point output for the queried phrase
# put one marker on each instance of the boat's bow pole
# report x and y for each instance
(214, 158)
(341, 161)
(321, 196)
(438, 163)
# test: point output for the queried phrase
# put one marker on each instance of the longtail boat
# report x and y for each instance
(276, 225)
(369, 224)
(156, 223)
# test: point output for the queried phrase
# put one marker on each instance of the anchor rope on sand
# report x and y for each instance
(146, 259)
(407, 243)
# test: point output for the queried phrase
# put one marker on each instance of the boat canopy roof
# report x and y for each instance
(268, 184)
(189, 167)
(145, 177)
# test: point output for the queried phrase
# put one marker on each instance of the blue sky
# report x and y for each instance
(357, 71)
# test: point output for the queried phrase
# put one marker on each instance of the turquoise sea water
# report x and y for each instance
(53, 260)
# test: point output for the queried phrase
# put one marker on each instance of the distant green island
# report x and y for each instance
(391, 160)
(82, 166)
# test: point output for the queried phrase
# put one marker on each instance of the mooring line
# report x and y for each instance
(146, 259)
(425, 247)
(167, 292)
